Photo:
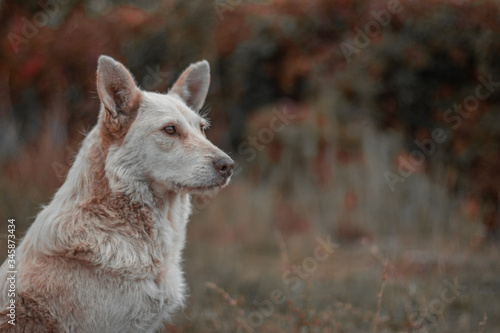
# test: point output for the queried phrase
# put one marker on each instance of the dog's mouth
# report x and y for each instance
(205, 188)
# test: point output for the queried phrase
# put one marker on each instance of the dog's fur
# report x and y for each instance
(104, 255)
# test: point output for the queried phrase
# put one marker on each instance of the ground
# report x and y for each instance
(436, 285)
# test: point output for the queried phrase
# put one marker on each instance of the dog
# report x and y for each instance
(105, 254)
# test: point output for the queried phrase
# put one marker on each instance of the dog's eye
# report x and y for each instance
(203, 128)
(170, 130)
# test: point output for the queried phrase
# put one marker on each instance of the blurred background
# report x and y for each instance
(371, 124)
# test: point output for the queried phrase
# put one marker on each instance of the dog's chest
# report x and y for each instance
(169, 285)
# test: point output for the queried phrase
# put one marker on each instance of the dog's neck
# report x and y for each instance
(88, 189)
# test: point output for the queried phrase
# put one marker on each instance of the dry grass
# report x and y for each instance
(399, 255)
(235, 259)
(383, 283)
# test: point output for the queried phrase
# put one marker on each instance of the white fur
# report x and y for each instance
(116, 281)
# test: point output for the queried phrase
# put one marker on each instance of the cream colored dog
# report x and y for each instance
(104, 255)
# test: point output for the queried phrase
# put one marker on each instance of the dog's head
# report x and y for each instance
(159, 138)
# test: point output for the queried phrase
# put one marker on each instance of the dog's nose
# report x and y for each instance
(224, 166)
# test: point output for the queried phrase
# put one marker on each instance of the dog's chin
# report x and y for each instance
(203, 189)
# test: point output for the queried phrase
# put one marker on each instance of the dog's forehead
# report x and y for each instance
(161, 107)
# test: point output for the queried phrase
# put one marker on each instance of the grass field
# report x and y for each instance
(377, 283)
(315, 131)
(409, 260)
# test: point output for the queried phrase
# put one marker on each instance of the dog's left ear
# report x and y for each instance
(192, 85)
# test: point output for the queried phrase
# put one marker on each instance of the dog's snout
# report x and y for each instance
(224, 166)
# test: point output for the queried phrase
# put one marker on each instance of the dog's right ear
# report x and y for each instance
(118, 94)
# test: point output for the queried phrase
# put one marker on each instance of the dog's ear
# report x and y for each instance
(118, 93)
(192, 85)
